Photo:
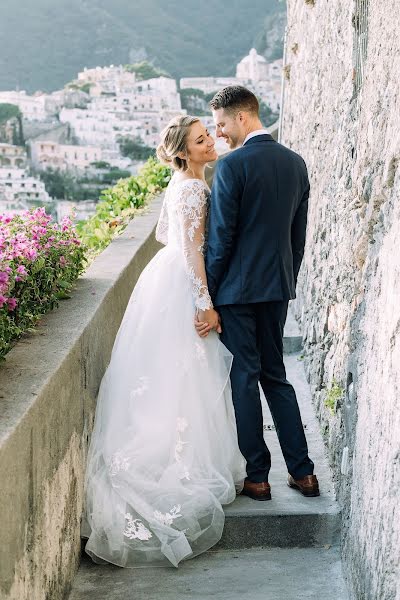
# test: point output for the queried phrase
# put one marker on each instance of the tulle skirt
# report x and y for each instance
(164, 454)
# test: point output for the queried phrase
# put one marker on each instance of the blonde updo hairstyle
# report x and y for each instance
(174, 142)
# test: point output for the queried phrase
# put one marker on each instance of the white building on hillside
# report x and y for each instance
(39, 107)
(17, 185)
(12, 156)
(208, 85)
(253, 68)
(98, 128)
(161, 87)
(107, 79)
(45, 154)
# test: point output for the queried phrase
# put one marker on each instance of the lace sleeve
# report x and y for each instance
(162, 224)
(192, 213)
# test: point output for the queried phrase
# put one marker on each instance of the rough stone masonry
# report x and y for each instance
(342, 114)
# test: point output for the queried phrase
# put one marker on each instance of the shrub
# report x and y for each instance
(119, 204)
(39, 263)
(334, 396)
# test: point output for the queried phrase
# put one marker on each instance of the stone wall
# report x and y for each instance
(349, 287)
(48, 389)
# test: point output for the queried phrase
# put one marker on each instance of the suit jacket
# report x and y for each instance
(257, 223)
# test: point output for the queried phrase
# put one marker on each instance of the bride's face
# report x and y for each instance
(200, 145)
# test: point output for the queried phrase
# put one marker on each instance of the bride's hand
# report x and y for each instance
(206, 320)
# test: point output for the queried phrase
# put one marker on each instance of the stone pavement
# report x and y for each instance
(284, 549)
(258, 574)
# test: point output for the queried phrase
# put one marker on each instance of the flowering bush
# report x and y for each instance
(39, 262)
(119, 204)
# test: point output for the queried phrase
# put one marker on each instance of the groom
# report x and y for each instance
(257, 229)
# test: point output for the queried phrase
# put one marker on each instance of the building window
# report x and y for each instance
(360, 42)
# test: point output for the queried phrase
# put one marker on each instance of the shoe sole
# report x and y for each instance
(255, 497)
(313, 493)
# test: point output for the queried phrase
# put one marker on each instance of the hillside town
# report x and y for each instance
(101, 127)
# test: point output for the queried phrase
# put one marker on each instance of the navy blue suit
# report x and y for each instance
(256, 236)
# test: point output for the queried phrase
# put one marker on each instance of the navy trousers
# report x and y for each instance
(254, 335)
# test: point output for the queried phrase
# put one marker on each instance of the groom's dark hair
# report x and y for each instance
(235, 98)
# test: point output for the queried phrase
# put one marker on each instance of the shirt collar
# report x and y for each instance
(254, 133)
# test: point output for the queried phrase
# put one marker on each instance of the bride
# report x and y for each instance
(164, 454)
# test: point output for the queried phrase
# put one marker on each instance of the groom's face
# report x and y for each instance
(230, 127)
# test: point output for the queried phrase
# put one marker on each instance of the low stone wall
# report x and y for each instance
(48, 390)
(349, 284)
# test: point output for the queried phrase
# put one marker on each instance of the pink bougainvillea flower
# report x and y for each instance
(4, 277)
(63, 262)
(3, 300)
(12, 303)
(30, 253)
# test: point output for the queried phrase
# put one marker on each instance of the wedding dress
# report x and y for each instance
(164, 454)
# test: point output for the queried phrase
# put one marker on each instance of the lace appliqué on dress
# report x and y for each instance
(135, 530)
(119, 462)
(192, 204)
(200, 291)
(181, 426)
(169, 517)
(141, 388)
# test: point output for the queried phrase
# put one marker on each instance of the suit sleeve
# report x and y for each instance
(224, 214)
(298, 233)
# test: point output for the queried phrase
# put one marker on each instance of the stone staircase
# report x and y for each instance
(284, 549)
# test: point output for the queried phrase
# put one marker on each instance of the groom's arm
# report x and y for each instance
(224, 212)
(298, 233)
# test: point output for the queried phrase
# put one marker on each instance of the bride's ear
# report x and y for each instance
(182, 155)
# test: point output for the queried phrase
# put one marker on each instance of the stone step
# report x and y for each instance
(289, 519)
(283, 549)
(274, 574)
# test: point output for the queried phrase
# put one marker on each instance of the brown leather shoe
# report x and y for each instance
(257, 491)
(308, 486)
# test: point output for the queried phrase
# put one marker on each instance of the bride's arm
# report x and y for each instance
(192, 210)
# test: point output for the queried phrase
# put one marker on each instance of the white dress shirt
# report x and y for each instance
(254, 133)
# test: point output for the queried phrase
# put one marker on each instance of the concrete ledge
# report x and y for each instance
(48, 390)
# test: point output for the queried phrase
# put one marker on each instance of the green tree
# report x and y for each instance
(134, 148)
(145, 70)
(267, 116)
(59, 184)
(193, 100)
(9, 111)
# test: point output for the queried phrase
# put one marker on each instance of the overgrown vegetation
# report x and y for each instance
(119, 204)
(145, 70)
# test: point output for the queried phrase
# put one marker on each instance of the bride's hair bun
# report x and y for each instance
(162, 155)
(174, 142)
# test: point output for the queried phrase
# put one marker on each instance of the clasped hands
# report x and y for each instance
(205, 320)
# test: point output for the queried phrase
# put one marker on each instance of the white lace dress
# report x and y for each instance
(164, 455)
